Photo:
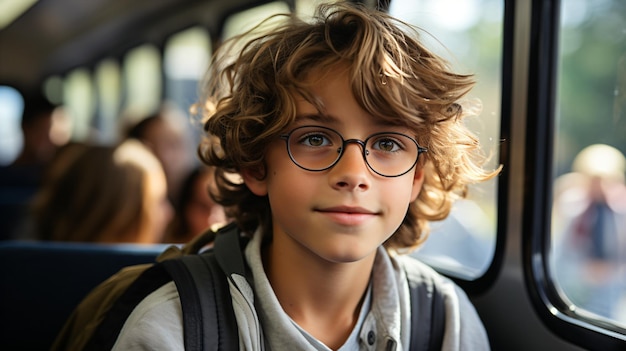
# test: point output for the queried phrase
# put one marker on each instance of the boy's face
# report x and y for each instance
(344, 213)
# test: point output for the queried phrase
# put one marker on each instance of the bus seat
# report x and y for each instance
(42, 282)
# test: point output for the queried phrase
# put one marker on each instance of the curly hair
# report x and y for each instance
(249, 100)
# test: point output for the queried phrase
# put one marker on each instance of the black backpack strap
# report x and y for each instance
(201, 281)
(428, 324)
(209, 321)
(229, 251)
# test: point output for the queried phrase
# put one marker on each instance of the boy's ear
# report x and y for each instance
(418, 181)
(255, 181)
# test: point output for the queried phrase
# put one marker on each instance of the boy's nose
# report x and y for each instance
(351, 171)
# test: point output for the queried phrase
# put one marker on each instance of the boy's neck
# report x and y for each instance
(323, 298)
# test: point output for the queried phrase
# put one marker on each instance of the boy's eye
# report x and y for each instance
(314, 140)
(387, 144)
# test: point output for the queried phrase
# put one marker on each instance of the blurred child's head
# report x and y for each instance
(195, 210)
(104, 194)
(164, 134)
(45, 128)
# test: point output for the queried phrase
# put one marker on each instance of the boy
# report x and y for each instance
(348, 137)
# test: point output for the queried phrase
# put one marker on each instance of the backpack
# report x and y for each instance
(202, 283)
(91, 311)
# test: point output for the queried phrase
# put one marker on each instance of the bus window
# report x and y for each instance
(307, 7)
(245, 20)
(588, 253)
(469, 35)
(186, 58)
(143, 84)
(78, 97)
(10, 118)
(53, 89)
(108, 80)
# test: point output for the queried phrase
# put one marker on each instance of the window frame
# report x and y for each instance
(584, 331)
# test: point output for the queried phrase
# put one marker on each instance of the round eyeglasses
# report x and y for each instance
(316, 148)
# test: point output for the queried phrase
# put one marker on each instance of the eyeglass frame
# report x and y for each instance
(344, 144)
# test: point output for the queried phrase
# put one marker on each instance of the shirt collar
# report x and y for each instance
(385, 322)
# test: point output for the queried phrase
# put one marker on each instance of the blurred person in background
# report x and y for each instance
(45, 127)
(195, 211)
(105, 194)
(590, 229)
(164, 133)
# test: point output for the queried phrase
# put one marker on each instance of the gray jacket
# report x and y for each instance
(156, 323)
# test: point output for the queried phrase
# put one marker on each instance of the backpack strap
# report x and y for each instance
(209, 322)
(428, 324)
(229, 251)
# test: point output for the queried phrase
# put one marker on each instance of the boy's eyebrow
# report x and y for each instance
(317, 117)
(330, 119)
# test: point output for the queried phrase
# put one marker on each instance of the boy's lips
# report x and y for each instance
(347, 215)
(346, 209)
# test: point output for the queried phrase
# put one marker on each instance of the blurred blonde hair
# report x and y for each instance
(249, 102)
(98, 194)
(602, 161)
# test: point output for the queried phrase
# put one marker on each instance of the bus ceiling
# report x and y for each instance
(55, 36)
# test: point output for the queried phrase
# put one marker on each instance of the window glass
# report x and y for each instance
(589, 210)
(108, 79)
(187, 56)
(246, 20)
(10, 118)
(53, 89)
(307, 7)
(468, 33)
(78, 94)
(142, 82)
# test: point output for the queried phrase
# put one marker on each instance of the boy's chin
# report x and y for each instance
(354, 253)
